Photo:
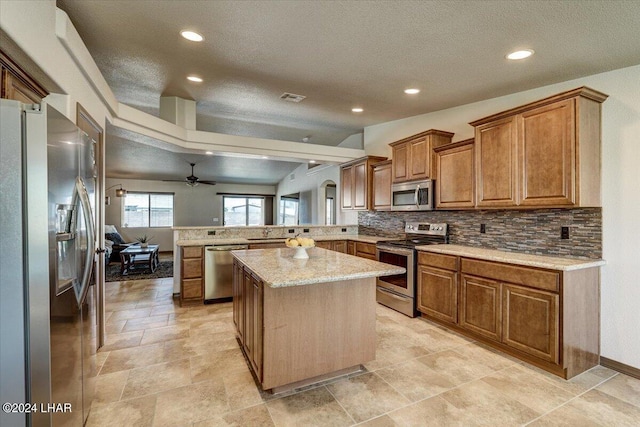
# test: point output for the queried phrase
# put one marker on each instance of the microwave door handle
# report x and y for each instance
(415, 196)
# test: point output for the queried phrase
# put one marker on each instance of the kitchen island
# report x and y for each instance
(305, 320)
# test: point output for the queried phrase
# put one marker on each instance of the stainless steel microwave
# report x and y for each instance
(412, 196)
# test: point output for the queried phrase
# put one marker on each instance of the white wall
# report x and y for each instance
(620, 313)
(312, 182)
(193, 206)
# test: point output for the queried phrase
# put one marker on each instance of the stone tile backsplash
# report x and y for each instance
(526, 231)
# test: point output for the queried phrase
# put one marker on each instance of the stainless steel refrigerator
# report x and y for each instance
(48, 323)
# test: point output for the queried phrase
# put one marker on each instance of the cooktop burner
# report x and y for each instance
(420, 234)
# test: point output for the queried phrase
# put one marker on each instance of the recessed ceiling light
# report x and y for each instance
(265, 157)
(191, 35)
(209, 153)
(194, 79)
(305, 139)
(411, 91)
(520, 54)
(312, 161)
(357, 110)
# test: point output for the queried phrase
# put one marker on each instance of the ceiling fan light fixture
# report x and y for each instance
(195, 79)
(191, 35)
(411, 91)
(357, 110)
(209, 153)
(520, 54)
(192, 183)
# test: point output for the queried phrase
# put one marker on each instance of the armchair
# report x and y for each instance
(111, 233)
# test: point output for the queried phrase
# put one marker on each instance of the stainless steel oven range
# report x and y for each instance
(399, 292)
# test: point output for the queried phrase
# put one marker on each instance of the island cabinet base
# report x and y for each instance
(309, 332)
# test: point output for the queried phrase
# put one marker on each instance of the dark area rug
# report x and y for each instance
(112, 273)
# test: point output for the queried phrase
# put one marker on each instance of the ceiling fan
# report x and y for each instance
(191, 180)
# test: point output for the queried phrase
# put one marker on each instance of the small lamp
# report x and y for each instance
(120, 192)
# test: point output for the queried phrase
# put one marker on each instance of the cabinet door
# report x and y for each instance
(257, 297)
(248, 314)
(238, 304)
(340, 246)
(351, 247)
(455, 185)
(360, 187)
(480, 306)
(496, 163)
(326, 244)
(438, 293)
(530, 321)
(382, 187)
(400, 166)
(547, 150)
(420, 158)
(346, 187)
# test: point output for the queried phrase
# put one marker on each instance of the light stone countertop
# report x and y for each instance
(277, 267)
(244, 241)
(540, 261)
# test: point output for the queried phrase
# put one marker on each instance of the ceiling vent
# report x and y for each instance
(292, 97)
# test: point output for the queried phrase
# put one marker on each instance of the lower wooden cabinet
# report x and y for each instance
(438, 293)
(191, 274)
(351, 247)
(366, 250)
(248, 309)
(546, 317)
(333, 245)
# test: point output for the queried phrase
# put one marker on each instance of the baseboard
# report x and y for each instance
(620, 367)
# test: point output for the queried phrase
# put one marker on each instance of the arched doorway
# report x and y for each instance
(327, 203)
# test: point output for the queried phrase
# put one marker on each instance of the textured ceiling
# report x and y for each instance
(341, 54)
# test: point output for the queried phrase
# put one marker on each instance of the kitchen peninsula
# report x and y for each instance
(304, 320)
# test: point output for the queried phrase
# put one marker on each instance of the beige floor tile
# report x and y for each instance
(316, 407)
(383, 421)
(437, 340)
(484, 405)
(434, 411)
(242, 390)
(594, 408)
(123, 340)
(366, 396)
(101, 357)
(217, 364)
(119, 306)
(129, 314)
(623, 387)
(528, 388)
(146, 323)
(167, 309)
(494, 359)
(156, 378)
(166, 333)
(455, 366)
(578, 384)
(415, 380)
(130, 413)
(109, 388)
(386, 357)
(255, 416)
(207, 327)
(114, 327)
(191, 403)
(135, 357)
(191, 347)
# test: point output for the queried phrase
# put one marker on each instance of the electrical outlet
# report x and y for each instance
(344, 230)
(305, 230)
(564, 232)
(483, 228)
(211, 233)
(291, 230)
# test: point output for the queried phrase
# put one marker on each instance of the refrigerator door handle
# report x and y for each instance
(83, 195)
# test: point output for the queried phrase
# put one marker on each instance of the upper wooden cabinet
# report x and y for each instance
(382, 186)
(356, 183)
(455, 180)
(17, 85)
(543, 154)
(413, 156)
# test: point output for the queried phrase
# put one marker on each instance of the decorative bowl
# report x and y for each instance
(301, 252)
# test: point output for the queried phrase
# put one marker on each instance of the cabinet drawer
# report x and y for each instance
(191, 288)
(541, 279)
(448, 262)
(192, 252)
(191, 268)
(365, 248)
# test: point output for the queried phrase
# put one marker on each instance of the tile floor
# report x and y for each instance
(164, 365)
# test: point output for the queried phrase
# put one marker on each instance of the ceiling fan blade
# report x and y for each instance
(207, 182)
(174, 180)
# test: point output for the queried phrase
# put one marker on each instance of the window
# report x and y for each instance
(240, 210)
(289, 210)
(147, 210)
(331, 208)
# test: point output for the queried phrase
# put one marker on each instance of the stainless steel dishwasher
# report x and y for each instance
(218, 272)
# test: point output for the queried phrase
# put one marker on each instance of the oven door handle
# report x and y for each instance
(407, 252)
(391, 294)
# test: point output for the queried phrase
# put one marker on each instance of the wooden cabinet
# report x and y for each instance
(238, 300)
(351, 247)
(413, 156)
(191, 274)
(268, 245)
(366, 250)
(455, 179)
(438, 287)
(382, 186)
(543, 154)
(481, 306)
(257, 326)
(356, 184)
(333, 245)
(17, 85)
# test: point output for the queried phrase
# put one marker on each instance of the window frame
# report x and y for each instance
(149, 194)
(246, 212)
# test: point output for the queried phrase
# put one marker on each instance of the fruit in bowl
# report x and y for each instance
(305, 242)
